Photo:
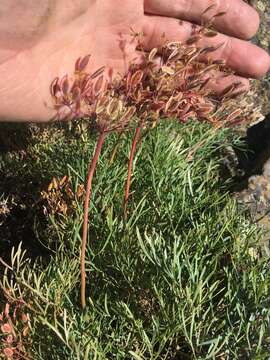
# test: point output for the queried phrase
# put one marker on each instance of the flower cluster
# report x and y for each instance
(13, 343)
(170, 82)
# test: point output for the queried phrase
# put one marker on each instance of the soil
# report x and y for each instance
(254, 186)
(262, 87)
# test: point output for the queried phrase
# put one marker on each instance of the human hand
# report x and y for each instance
(47, 38)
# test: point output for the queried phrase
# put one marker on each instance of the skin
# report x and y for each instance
(42, 39)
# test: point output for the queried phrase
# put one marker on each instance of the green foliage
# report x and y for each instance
(181, 278)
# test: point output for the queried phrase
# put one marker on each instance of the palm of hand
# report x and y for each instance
(103, 30)
(28, 74)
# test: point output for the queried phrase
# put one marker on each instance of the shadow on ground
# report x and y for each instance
(19, 193)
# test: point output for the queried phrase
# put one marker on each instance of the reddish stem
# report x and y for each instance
(130, 163)
(91, 172)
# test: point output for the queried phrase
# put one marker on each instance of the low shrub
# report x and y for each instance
(180, 278)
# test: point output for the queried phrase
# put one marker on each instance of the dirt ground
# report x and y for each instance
(255, 185)
(262, 93)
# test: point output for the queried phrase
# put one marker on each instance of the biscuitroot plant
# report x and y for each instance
(148, 93)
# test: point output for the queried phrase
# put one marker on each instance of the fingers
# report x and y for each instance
(243, 57)
(240, 20)
(219, 83)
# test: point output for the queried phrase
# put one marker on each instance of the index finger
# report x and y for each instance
(240, 19)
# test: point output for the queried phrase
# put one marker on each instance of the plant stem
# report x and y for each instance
(130, 163)
(91, 172)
